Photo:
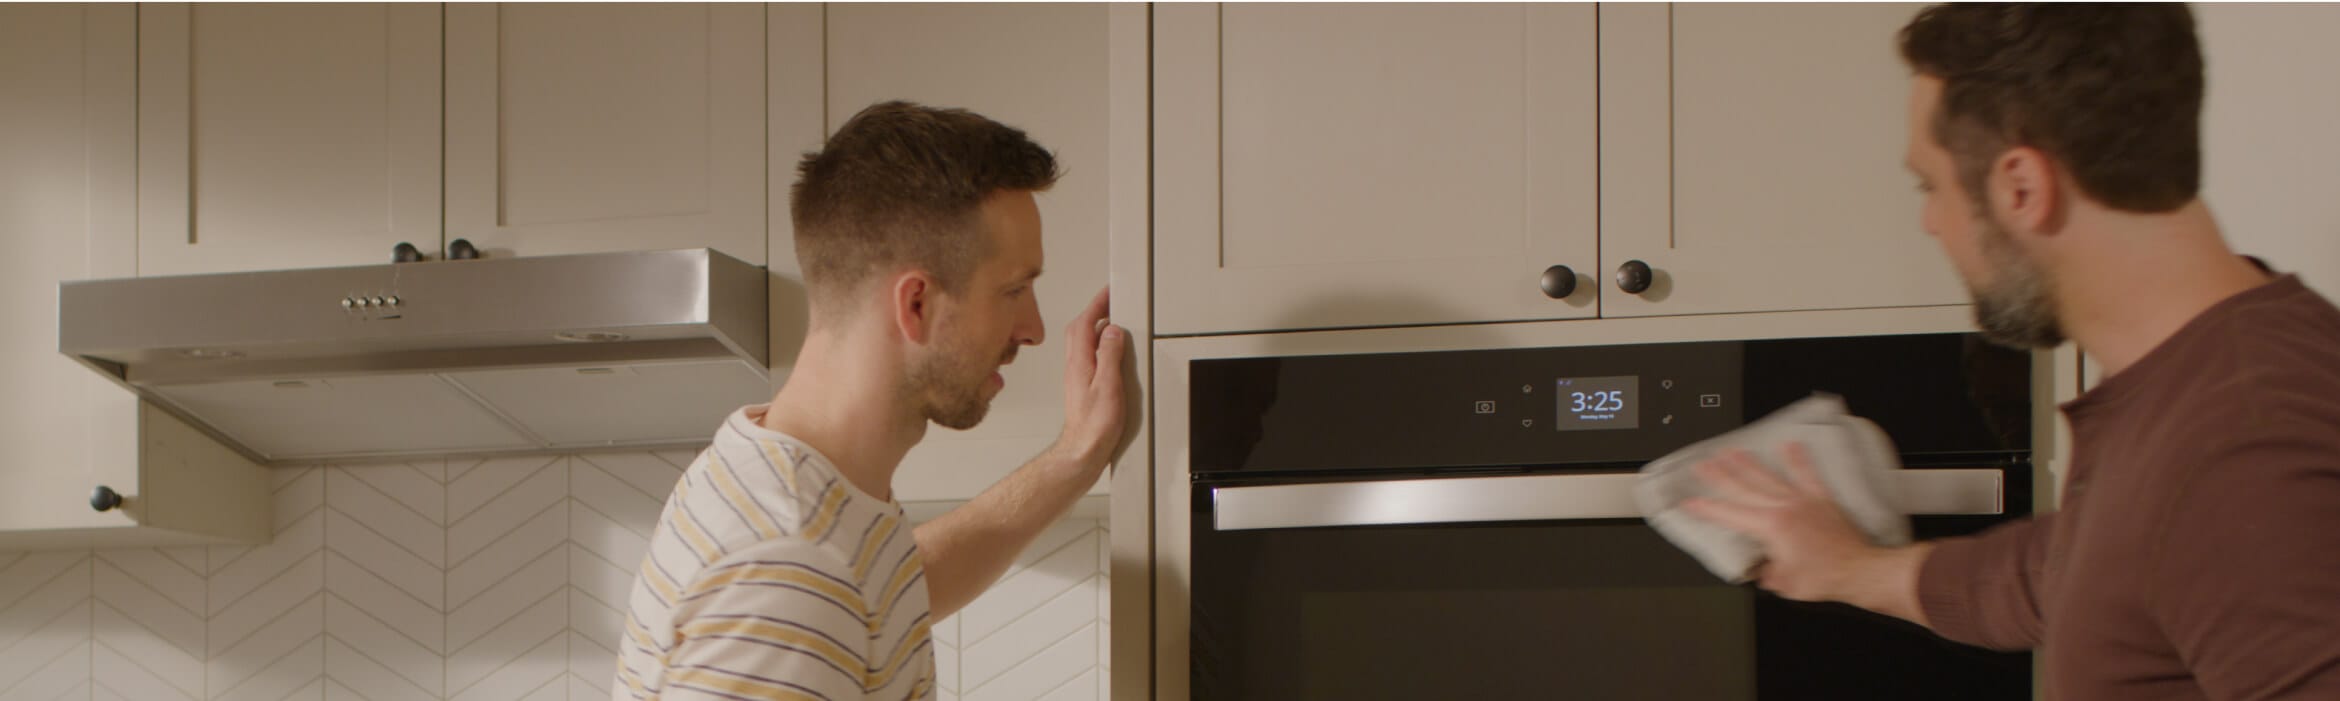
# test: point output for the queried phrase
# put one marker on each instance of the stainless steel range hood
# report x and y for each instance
(466, 357)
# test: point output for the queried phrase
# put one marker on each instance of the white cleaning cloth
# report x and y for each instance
(1854, 459)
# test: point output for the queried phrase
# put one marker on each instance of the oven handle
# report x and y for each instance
(1933, 492)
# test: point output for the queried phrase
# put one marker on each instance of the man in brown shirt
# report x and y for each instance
(2197, 551)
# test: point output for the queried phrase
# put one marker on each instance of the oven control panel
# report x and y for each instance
(1503, 408)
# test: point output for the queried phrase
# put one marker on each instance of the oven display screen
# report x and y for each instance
(1598, 403)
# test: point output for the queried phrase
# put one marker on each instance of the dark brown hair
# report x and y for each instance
(2112, 92)
(902, 184)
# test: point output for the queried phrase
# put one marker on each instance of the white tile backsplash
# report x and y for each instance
(466, 579)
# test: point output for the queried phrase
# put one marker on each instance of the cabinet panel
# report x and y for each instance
(1364, 165)
(2267, 144)
(67, 154)
(590, 128)
(1037, 67)
(68, 160)
(286, 136)
(1764, 175)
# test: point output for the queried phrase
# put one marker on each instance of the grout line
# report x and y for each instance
(499, 495)
(141, 583)
(133, 660)
(280, 614)
(384, 536)
(329, 636)
(351, 475)
(1052, 598)
(508, 663)
(1028, 660)
(517, 612)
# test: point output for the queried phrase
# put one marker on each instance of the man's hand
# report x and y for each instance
(1093, 405)
(1813, 552)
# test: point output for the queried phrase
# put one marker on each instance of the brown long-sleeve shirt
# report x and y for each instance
(2197, 551)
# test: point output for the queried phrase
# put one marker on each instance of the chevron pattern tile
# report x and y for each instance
(45, 606)
(492, 580)
(615, 501)
(1038, 633)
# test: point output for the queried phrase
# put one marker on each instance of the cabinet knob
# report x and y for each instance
(104, 498)
(1634, 277)
(1559, 282)
(461, 249)
(405, 253)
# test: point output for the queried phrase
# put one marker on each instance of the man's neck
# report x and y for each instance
(841, 401)
(2143, 278)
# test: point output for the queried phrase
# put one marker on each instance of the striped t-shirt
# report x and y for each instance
(771, 577)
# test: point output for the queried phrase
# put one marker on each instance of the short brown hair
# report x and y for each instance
(2112, 92)
(902, 183)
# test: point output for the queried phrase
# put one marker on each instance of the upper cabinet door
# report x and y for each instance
(587, 128)
(285, 136)
(1372, 165)
(1751, 158)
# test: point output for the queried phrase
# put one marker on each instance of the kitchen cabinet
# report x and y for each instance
(1750, 157)
(1337, 166)
(1038, 67)
(285, 136)
(2267, 142)
(69, 160)
(585, 128)
(1373, 165)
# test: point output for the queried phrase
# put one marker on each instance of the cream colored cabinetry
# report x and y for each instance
(68, 161)
(285, 136)
(1037, 67)
(2268, 148)
(584, 128)
(1372, 165)
(1336, 166)
(1750, 157)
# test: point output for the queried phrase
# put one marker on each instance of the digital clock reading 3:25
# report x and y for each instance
(1597, 403)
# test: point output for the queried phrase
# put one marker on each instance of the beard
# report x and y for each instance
(2017, 308)
(952, 384)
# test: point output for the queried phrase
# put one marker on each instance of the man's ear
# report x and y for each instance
(911, 299)
(2025, 192)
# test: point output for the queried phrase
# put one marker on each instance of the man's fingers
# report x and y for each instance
(1086, 325)
(1111, 343)
(1081, 335)
(1801, 473)
(1736, 517)
(1739, 476)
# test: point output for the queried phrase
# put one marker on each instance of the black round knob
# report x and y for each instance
(1634, 277)
(1559, 282)
(405, 253)
(104, 498)
(461, 249)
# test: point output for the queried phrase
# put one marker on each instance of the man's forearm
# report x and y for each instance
(970, 547)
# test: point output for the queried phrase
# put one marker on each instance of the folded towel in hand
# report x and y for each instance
(1854, 459)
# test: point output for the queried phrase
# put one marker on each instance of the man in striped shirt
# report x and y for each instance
(782, 568)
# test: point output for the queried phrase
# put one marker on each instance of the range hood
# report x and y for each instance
(447, 358)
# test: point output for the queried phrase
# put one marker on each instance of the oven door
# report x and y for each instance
(1541, 586)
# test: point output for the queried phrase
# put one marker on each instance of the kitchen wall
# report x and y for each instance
(460, 579)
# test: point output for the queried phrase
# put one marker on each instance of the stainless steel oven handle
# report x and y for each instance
(1529, 498)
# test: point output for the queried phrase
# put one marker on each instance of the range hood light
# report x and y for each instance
(589, 336)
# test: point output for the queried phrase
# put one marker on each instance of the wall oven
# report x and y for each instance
(1456, 524)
